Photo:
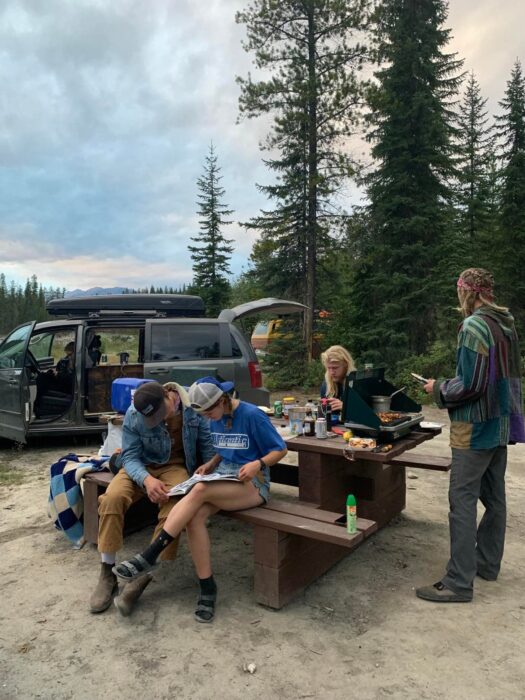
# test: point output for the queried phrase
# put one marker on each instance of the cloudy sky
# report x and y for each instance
(107, 110)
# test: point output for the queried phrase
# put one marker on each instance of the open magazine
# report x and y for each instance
(187, 485)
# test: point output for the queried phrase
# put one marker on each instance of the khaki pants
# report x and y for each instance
(121, 494)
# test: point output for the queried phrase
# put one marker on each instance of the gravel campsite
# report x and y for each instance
(359, 630)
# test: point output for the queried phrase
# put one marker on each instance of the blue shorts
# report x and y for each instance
(261, 481)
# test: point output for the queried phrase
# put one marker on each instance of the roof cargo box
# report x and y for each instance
(161, 305)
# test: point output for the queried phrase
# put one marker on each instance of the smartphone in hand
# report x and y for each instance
(419, 378)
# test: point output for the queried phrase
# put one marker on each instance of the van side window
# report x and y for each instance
(13, 347)
(184, 342)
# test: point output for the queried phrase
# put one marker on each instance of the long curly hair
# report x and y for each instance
(336, 353)
(476, 284)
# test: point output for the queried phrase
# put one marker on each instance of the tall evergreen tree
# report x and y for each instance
(399, 283)
(311, 56)
(475, 177)
(211, 257)
(511, 240)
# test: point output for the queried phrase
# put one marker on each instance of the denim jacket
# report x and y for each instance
(142, 446)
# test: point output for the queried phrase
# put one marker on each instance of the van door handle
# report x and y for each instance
(158, 371)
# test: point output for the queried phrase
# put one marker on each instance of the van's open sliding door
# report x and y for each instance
(15, 365)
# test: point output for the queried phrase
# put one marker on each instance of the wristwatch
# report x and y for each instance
(262, 463)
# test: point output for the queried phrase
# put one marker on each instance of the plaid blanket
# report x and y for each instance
(66, 504)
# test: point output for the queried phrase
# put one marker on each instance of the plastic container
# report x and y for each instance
(122, 390)
(296, 416)
(351, 514)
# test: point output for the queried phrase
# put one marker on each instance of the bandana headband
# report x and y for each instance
(462, 284)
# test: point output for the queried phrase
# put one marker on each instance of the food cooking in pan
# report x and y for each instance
(389, 416)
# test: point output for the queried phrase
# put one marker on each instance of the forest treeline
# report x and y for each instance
(443, 184)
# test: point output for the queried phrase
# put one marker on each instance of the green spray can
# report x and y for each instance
(351, 514)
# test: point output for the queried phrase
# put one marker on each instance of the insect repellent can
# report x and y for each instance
(351, 515)
(320, 428)
(278, 409)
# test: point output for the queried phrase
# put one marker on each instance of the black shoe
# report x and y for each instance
(485, 577)
(439, 593)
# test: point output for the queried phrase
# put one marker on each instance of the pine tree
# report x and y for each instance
(511, 241)
(475, 186)
(310, 52)
(399, 283)
(211, 257)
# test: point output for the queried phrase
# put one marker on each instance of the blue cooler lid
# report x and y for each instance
(122, 390)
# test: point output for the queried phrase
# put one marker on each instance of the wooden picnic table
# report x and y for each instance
(377, 480)
(296, 542)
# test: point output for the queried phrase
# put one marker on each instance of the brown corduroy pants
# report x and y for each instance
(119, 496)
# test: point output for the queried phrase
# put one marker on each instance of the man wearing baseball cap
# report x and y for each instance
(164, 441)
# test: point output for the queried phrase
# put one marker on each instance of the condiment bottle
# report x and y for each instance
(351, 515)
(310, 406)
(309, 424)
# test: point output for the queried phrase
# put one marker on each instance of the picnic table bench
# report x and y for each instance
(294, 543)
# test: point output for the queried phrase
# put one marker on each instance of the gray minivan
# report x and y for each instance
(56, 376)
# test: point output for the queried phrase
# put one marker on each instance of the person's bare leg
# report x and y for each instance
(199, 540)
(221, 495)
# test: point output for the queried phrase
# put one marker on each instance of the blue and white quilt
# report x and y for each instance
(66, 503)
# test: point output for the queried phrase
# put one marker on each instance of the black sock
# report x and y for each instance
(208, 585)
(151, 553)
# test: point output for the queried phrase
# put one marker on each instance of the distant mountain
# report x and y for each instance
(95, 291)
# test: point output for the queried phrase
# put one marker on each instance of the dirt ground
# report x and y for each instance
(359, 631)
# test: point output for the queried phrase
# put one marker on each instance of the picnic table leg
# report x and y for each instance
(285, 564)
(91, 494)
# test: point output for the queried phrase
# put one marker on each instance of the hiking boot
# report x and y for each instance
(130, 593)
(439, 593)
(107, 585)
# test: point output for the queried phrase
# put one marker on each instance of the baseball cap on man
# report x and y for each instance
(150, 400)
(206, 391)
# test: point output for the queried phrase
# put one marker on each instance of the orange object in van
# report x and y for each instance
(263, 333)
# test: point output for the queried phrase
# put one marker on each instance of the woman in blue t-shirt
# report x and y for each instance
(246, 445)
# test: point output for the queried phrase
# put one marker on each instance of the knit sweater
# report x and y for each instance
(484, 399)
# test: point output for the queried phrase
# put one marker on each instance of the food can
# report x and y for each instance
(320, 428)
(278, 409)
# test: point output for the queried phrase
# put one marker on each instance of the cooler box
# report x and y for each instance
(122, 390)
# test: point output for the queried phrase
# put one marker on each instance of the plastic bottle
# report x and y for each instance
(351, 514)
(310, 406)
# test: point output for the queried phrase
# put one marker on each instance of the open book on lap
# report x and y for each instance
(185, 486)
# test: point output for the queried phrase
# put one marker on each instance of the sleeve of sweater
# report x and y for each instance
(472, 370)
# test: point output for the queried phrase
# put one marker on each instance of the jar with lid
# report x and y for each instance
(287, 402)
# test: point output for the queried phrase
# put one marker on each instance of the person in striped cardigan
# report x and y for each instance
(485, 405)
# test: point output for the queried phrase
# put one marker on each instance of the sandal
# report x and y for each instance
(131, 569)
(205, 611)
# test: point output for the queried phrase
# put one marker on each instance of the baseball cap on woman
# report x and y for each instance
(206, 391)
